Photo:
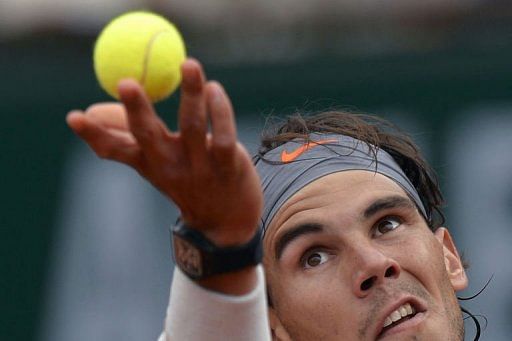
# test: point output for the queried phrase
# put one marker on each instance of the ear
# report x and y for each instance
(279, 333)
(452, 261)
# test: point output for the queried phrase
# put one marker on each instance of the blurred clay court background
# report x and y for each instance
(84, 242)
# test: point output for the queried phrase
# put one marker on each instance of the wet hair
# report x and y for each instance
(377, 133)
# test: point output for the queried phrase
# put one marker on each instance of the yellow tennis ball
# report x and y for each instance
(143, 46)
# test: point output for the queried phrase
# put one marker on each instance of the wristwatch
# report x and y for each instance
(200, 258)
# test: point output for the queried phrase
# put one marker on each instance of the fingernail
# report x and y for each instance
(194, 77)
(125, 82)
(126, 89)
(73, 113)
(71, 120)
(218, 93)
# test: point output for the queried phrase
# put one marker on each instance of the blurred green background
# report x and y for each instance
(446, 66)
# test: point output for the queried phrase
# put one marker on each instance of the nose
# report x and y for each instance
(372, 268)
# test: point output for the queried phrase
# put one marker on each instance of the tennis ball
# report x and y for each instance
(143, 46)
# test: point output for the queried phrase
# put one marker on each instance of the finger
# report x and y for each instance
(223, 144)
(107, 143)
(193, 121)
(75, 120)
(89, 129)
(111, 115)
(143, 122)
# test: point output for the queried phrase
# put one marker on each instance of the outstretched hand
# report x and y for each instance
(209, 176)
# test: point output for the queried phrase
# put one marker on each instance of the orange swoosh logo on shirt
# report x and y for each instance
(290, 156)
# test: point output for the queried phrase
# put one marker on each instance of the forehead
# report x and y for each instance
(344, 193)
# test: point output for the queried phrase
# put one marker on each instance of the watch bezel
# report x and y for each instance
(188, 257)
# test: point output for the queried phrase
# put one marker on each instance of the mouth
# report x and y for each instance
(403, 316)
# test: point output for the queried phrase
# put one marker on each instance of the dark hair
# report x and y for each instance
(377, 133)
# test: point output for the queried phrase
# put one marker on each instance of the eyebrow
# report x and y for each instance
(294, 233)
(394, 201)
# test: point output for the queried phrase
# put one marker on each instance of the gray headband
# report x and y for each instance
(290, 167)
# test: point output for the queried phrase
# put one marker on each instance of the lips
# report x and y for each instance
(402, 315)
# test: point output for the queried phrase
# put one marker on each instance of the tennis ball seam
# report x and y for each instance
(143, 46)
(147, 56)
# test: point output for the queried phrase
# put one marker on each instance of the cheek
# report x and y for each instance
(428, 267)
(314, 308)
(424, 260)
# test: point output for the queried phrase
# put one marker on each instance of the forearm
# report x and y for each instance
(196, 313)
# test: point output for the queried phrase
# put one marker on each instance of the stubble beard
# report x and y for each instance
(384, 296)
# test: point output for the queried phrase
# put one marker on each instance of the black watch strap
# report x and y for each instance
(200, 258)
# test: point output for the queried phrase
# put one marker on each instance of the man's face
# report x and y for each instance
(350, 253)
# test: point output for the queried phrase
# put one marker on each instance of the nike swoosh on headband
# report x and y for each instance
(281, 178)
(290, 156)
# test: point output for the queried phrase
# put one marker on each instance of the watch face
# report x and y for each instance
(187, 257)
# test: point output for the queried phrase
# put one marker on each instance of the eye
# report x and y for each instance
(387, 224)
(314, 258)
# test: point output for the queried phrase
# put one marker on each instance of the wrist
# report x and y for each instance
(229, 237)
(200, 258)
(223, 234)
